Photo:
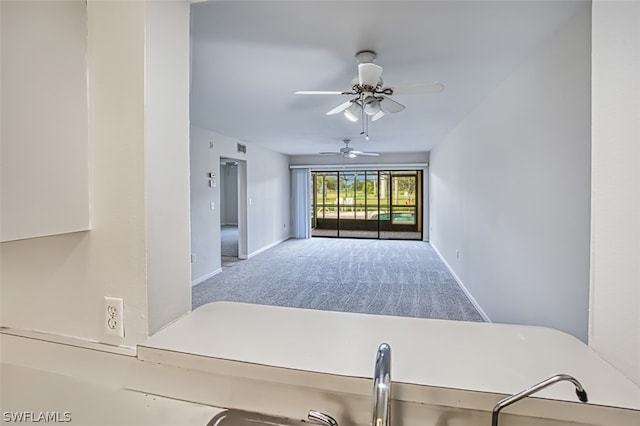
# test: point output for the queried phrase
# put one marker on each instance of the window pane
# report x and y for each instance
(404, 216)
(330, 195)
(347, 195)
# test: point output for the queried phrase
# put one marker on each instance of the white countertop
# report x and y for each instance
(483, 357)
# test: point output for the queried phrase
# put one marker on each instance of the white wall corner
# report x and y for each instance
(205, 277)
(455, 276)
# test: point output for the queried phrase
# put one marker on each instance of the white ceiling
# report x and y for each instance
(249, 57)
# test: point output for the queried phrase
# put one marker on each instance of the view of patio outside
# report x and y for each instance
(367, 201)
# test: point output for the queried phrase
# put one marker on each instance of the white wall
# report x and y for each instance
(614, 328)
(510, 190)
(269, 194)
(167, 161)
(268, 186)
(56, 284)
(45, 150)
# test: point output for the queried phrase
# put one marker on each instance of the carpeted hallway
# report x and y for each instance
(400, 278)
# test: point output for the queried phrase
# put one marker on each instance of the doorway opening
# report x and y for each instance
(379, 204)
(233, 212)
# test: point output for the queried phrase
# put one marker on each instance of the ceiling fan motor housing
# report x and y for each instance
(365, 56)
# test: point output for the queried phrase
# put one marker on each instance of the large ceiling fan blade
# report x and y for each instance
(369, 154)
(389, 105)
(417, 89)
(319, 92)
(369, 74)
(340, 108)
(349, 152)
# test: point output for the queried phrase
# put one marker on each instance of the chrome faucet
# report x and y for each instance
(382, 387)
(582, 394)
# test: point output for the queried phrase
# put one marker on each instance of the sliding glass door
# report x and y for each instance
(367, 204)
(324, 212)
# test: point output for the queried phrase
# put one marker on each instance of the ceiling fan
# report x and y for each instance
(349, 152)
(370, 99)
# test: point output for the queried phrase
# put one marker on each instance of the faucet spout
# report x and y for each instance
(580, 392)
(382, 387)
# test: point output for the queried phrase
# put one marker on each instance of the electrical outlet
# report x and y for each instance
(114, 316)
(193, 258)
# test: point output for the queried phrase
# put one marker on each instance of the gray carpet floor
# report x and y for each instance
(400, 278)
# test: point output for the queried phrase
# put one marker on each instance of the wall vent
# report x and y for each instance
(242, 148)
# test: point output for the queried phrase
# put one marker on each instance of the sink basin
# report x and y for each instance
(248, 418)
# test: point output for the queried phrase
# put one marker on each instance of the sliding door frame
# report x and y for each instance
(418, 205)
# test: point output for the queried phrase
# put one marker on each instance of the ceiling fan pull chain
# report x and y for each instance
(365, 125)
(366, 134)
(364, 119)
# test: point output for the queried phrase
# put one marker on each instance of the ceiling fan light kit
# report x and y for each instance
(350, 116)
(378, 115)
(371, 105)
(371, 101)
(353, 112)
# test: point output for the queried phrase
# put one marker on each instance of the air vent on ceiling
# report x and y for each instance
(242, 148)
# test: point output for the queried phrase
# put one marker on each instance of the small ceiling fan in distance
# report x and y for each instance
(370, 99)
(349, 152)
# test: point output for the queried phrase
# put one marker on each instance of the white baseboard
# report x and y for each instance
(265, 248)
(205, 277)
(482, 313)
